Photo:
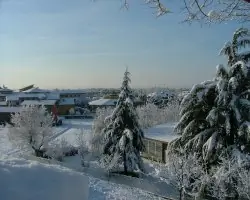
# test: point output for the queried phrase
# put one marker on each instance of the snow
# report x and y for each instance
(163, 132)
(103, 102)
(3, 103)
(24, 179)
(33, 178)
(41, 102)
(16, 96)
(9, 109)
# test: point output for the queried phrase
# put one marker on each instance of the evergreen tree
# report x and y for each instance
(123, 135)
(216, 114)
(241, 38)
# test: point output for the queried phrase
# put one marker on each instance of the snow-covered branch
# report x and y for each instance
(31, 128)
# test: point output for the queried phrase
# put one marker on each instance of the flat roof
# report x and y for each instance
(41, 102)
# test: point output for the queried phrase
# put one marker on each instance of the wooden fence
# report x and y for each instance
(155, 150)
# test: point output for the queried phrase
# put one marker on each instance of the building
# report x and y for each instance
(16, 99)
(65, 104)
(71, 93)
(102, 103)
(48, 104)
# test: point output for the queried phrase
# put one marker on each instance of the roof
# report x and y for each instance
(103, 102)
(53, 96)
(27, 87)
(3, 103)
(16, 96)
(9, 109)
(42, 102)
(5, 90)
(80, 91)
(35, 90)
(67, 101)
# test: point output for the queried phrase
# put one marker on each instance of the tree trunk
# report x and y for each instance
(125, 163)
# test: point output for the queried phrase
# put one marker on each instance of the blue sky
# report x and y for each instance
(84, 43)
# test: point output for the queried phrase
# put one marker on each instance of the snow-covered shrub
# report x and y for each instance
(99, 124)
(148, 115)
(185, 173)
(84, 146)
(231, 178)
(31, 128)
(59, 149)
(123, 135)
(151, 115)
(72, 111)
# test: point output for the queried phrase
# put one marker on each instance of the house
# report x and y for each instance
(65, 104)
(16, 99)
(3, 104)
(102, 103)
(5, 114)
(2, 97)
(71, 93)
(5, 90)
(46, 103)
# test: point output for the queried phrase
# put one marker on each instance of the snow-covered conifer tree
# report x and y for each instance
(123, 135)
(215, 114)
(241, 38)
(32, 126)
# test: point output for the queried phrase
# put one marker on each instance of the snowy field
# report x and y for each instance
(26, 177)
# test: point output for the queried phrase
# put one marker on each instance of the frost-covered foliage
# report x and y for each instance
(150, 115)
(241, 39)
(231, 178)
(185, 173)
(216, 114)
(84, 146)
(31, 128)
(123, 135)
(58, 149)
(99, 124)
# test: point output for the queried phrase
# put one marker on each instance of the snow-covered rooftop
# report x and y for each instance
(80, 91)
(9, 109)
(36, 90)
(5, 90)
(16, 96)
(3, 103)
(41, 102)
(103, 102)
(163, 94)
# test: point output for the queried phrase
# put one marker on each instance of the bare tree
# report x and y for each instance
(208, 11)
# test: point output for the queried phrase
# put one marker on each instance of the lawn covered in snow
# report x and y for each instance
(26, 177)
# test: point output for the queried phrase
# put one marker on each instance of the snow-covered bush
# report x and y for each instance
(123, 135)
(185, 173)
(231, 178)
(99, 124)
(151, 115)
(84, 146)
(148, 115)
(72, 111)
(31, 128)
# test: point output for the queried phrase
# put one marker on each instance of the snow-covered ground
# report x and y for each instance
(26, 177)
